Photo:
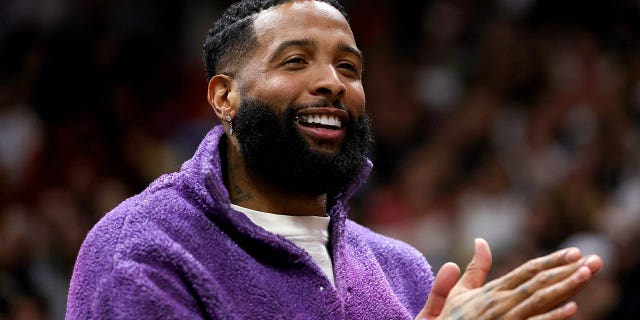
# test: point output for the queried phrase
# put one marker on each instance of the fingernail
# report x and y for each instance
(569, 307)
(573, 254)
(583, 274)
(590, 260)
(476, 243)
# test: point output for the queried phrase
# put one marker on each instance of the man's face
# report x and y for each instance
(306, 55)
(302, 106)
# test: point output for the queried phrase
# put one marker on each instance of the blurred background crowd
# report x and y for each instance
(514, 120)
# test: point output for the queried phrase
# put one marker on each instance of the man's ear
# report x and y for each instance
(223, 96)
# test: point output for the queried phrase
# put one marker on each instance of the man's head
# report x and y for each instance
(291, 83)
(232, 37)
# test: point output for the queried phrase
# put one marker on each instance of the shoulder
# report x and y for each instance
(166, 207)
(144, 221)
(151, 231)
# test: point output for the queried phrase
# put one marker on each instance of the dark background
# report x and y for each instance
(514, 120)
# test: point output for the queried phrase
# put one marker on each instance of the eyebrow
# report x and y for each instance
(352, 50)
(310, 42)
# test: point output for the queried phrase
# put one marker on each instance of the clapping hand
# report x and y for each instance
(538, 289)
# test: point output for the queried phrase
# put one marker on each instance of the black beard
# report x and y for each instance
(274, 149)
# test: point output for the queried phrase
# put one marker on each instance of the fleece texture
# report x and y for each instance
(178, 251)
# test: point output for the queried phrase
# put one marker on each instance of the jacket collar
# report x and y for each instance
(200, 181)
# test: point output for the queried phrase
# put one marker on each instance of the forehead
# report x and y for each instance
(301, 19)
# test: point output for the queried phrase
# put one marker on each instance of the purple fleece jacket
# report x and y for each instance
(178, 251)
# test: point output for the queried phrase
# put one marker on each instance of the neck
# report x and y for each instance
(250, 191)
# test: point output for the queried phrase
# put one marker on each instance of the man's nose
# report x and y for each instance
(328, 83)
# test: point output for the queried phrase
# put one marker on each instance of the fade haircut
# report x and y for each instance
(232, 38)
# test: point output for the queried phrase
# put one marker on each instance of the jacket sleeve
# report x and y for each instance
(137, 291)
(141, 273)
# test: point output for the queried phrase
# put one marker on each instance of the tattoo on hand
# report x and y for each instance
(457, 313)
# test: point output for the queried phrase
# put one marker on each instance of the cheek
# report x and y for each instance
(279, 90)
(356, 98)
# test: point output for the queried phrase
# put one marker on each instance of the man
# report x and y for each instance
(254, 225)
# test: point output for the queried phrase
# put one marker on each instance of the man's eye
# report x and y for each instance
(347, 66)
(349, 69)
(295, 61)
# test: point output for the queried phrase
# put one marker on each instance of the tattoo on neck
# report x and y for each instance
(238, 195)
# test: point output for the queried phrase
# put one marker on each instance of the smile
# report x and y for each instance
(321, 120)
(323, 124)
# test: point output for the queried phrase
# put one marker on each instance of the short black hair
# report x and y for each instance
(232, 37)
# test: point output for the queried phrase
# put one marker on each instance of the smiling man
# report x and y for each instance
(255, 224)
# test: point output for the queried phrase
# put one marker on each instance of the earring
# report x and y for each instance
(230, 125)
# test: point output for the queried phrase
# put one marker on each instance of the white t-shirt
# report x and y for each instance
(307, 232)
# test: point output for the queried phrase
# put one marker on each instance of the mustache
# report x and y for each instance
(322, 103)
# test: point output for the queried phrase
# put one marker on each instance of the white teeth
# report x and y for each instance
(327, 120)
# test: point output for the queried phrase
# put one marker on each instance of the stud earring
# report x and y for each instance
(230, 125)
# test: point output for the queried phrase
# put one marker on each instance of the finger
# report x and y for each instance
(445, 280)
(501, 305)
(594, 263)
(478, 268)
(543, 300)
(545, 279)
(562, 312)
(529, 269)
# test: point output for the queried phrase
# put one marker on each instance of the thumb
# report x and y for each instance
(445, 280)
(478, 268)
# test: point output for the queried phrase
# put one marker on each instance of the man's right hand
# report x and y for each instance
(535, 290)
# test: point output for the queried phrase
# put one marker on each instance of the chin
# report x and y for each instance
(329, 149)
